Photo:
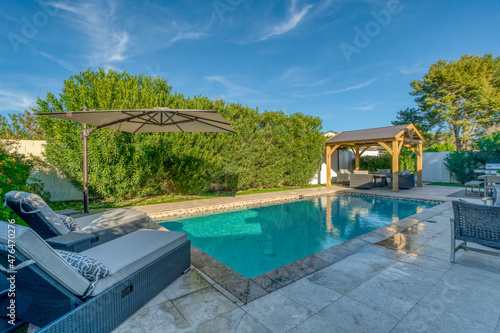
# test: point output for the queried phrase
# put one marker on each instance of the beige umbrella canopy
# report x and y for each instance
(159, 119)
(150, 120)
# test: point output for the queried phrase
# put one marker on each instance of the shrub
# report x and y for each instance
(372, 163)
(461, 165)
(407, 161)
(440, 147)
(269, 149)
(14, 173)
(488, 148)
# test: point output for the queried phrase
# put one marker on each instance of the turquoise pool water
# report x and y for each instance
(255, 241)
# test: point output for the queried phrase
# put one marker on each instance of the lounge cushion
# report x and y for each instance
(126, 255)
(39, 205)
(122, 221)
(34, 247)
(90, 268)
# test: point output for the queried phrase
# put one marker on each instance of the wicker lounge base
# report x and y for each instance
(46, 304)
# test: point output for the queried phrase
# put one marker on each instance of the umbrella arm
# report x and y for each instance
(85, 133)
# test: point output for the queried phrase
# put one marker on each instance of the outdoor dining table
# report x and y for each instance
(489, 179)
(379, 180)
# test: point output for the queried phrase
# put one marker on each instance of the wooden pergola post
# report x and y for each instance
(329, 153)
(328, 165)
(395, 166)
(419, 163)
(356, 156)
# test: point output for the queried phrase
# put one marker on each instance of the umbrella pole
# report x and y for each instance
(85, 171)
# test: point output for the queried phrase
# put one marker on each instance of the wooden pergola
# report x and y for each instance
(392, 138)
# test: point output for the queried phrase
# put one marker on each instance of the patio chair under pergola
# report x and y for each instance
(392, 138)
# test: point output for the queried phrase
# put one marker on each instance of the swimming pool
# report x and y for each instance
(255, 241)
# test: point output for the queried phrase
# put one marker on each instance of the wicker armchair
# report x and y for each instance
(360, 180)
(475, 223)
(343, 176)
(53, 294)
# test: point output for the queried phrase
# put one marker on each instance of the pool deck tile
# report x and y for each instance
(431, 318)
(310, 295)
(236, 321)
(246, 291)
(203, 305)
(267, 283)
(278, 312)
(404, 283)
(349, 315)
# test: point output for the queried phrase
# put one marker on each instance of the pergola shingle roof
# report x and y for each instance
(372, 135)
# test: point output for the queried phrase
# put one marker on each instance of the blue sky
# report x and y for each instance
(295, 55)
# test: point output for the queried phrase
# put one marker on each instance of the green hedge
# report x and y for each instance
(461, 164)
(270, 148)
(14, 174)
(407, 161)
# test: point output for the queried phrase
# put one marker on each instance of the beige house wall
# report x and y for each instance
(59, 186)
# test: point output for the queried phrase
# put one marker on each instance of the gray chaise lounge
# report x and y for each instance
(93, 229)
(50, 292)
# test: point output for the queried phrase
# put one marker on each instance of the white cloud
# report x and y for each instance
(108, 43)
(294, 18)
(14, 100)
(413, 69)
(62, 63)
(187, 35)
(366, 106)
(232, 89)
(338, 91)
(301, 77)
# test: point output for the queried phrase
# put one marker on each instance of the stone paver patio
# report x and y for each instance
(398, 279)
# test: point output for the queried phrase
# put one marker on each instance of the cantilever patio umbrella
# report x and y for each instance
(141, 121)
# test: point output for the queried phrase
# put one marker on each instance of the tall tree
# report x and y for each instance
(417, 117)
(20, 127)
(462, 94)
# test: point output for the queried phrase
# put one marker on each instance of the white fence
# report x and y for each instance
(60, 187)
(433, 168)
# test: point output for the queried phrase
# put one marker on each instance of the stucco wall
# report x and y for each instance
(60, 187)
